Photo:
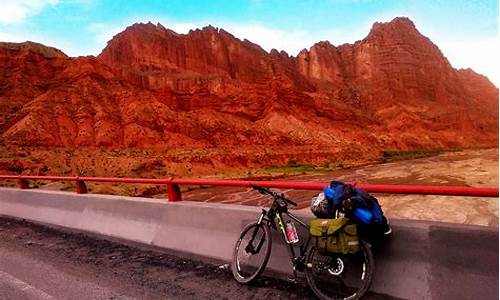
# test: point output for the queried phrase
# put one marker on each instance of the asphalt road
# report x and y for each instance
(38, 263)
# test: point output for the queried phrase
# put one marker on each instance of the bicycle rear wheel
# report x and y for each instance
(339, 276)
(251, 252)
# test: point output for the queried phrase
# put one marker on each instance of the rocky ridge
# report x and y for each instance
(152, 87)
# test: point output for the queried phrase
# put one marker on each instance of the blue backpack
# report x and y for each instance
(367, 209)
(338, 192)
(363, 200)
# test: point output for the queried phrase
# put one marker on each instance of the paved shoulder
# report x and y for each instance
(25, 277)
(37, 262)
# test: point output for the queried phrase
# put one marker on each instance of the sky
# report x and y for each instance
(465, 31)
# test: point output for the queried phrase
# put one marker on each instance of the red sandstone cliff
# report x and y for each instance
(403, 79)
(153, 87)
(155, 57)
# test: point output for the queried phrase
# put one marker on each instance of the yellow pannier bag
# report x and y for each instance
(334, 235)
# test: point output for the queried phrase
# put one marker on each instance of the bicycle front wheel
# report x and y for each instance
(251, 252)
(340, 276)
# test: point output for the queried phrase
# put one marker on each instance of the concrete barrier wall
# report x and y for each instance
(422, 260)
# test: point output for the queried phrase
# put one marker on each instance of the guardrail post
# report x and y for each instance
(23, 184)
(81, 188)
(174, 193)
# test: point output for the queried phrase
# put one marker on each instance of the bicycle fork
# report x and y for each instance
(250, 247)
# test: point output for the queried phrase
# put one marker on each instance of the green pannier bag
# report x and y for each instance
(334, 236)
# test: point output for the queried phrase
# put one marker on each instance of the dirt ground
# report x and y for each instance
(476, 168)
(129, 272)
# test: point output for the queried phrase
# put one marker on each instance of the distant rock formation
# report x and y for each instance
(46, 51)
(152, 87)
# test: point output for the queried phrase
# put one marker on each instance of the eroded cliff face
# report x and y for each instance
(65, 102)
(152, 87)
(84, 102)
(45, 51)
(211, 58)
(404, 81)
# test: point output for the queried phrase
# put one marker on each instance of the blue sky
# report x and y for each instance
(466, 31)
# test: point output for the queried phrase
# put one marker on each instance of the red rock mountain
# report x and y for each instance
(153, 87)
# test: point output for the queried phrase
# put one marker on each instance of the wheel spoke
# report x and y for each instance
(340, 276)
(251, 252)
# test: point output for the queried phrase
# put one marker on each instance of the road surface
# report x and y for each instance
(38, 263)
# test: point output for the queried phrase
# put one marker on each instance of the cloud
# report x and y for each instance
(17, 11)
(104, 32)
(481, 55)
(268, 38)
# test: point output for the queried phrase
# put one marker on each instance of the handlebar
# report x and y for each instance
(275, 195)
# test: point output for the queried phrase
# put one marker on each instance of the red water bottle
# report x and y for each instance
(291, 233)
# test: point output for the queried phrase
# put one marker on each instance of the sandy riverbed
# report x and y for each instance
(465, 168)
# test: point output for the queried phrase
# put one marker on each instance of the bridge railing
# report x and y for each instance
(175, 194)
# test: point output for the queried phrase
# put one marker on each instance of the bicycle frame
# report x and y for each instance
(303, 261)
(274, 218)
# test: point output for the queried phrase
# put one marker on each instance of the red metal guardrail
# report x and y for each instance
(174, 192)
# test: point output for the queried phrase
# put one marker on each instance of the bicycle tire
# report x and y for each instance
(263, 235)
(327, 279)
